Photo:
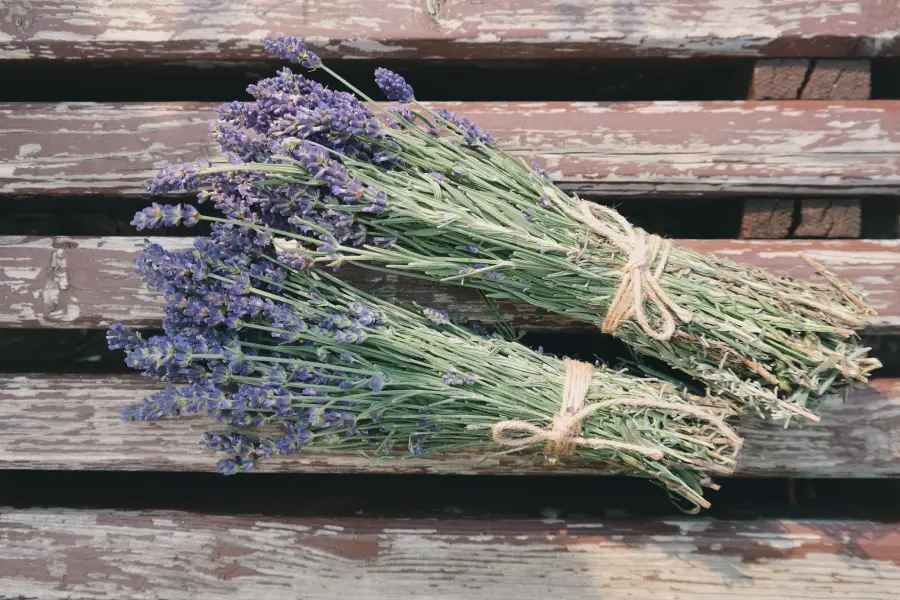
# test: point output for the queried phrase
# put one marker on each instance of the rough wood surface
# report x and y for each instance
(231, 29)
(662, 149)
(58, 554)
(833, 218)
(72, 422)
(778, 78)
(805, 79)
(838, 80)
(767, 218)
(90, 282)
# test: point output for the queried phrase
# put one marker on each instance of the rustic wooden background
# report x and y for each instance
(752, 128)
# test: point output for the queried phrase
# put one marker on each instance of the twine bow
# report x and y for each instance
(638, 280)
(564, 435)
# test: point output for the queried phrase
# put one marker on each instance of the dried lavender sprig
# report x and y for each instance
(266, 347)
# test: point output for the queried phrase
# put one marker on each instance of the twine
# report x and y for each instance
(638, 280)
(564, 435)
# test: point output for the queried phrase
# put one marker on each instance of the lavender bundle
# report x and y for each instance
(427, 193)
(287, 359)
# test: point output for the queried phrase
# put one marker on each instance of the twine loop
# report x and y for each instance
(640, 281)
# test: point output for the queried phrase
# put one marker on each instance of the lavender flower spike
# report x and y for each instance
(169, 215)
(292, 49)
(394, 86)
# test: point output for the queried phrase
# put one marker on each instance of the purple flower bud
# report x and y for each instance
(171, 179)
(292, 49)
(149, 218)
(120, 337)
(394, 87)
(438, 317)
(471, 132)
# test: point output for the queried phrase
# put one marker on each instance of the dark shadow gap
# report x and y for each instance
(84, 351)
(512, 80)
(886, 79)
(435, 496)
(706, 218)
(684, 218)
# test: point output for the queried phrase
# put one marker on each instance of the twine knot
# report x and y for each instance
(564, 434)
(640, 281)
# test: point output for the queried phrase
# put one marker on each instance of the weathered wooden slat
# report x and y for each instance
(231, 30)
(68, 554)
(637, 149)
(72, 422)
(90, 282)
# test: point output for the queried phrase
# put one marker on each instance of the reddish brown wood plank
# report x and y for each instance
(90, 282)
(68, 554)
(805, 79)
(767, 218)
(231, 30)
(838, 80)
(858, 437)
(835, 218)
(636, 149)
(778, 78)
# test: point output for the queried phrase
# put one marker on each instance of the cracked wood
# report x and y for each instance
(172, 30)
(859, 436)
(70, 554)
(664, 149)
(90, 282)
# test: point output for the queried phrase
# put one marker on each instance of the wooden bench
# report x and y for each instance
(806, 157)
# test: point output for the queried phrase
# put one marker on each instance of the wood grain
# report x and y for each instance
(778, 78)
(838, 80)
(231, 30)
(805, 79)
(663, 149)
(767, 218)
(72, 422)
(74, 554)
(833, 218)
(90, 282)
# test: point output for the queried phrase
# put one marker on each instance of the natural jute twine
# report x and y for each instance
(639, 279)
(564, 435)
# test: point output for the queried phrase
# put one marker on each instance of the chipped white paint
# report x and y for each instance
(27, 150)
(68, 554)
(96, 277)
(858, 437)
(661, 148)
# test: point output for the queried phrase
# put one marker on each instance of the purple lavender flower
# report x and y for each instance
(120, 337)
(183, 178)
(539, 170)
(379, 203)
(438, 317)
(416, 445)
(292, 49)
(545, 202)
(394, 87)
(148, 218)
(378, 381)
(471, 132)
